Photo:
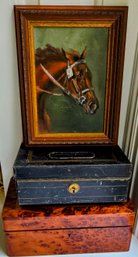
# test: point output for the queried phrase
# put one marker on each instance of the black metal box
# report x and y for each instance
(78, 174)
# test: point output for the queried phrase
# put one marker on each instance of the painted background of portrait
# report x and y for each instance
(66, 115)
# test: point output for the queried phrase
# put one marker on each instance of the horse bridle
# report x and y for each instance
(80, 98)
(70, 75)
(69, 70)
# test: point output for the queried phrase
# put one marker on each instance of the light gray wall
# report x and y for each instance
(10, 116)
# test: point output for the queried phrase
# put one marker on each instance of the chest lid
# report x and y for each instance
(17, 218)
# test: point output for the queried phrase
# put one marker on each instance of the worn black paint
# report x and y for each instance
(44, 180)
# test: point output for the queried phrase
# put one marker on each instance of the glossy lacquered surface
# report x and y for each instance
(66, 229)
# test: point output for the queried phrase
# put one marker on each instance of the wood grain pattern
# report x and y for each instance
(68, 241)
(65, 229)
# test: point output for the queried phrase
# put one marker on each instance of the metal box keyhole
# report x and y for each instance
(73, 188)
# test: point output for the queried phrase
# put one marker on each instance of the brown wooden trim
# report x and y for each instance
(117, 17)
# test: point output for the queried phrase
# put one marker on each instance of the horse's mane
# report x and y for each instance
(49, 53)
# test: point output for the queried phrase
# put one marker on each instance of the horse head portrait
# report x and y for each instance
(68, 71)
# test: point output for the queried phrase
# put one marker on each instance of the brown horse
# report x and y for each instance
(68, 71)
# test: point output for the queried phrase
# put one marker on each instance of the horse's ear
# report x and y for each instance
(83, 55)
(66, 54)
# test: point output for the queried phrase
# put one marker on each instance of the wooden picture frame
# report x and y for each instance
(70, 61)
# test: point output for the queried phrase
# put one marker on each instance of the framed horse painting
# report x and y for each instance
(70, 68)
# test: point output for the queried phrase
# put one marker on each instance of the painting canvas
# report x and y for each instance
(64, 113)
(70, 64)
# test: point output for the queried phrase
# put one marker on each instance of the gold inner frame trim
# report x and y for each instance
(36, 136)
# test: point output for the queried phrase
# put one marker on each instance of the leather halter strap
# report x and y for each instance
(69, 70)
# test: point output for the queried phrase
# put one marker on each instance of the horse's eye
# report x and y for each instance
(77, 73)
(81, 72)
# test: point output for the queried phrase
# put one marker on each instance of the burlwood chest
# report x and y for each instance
(66, 229)
(79, 174)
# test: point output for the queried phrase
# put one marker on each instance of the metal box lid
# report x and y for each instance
(72, 162)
